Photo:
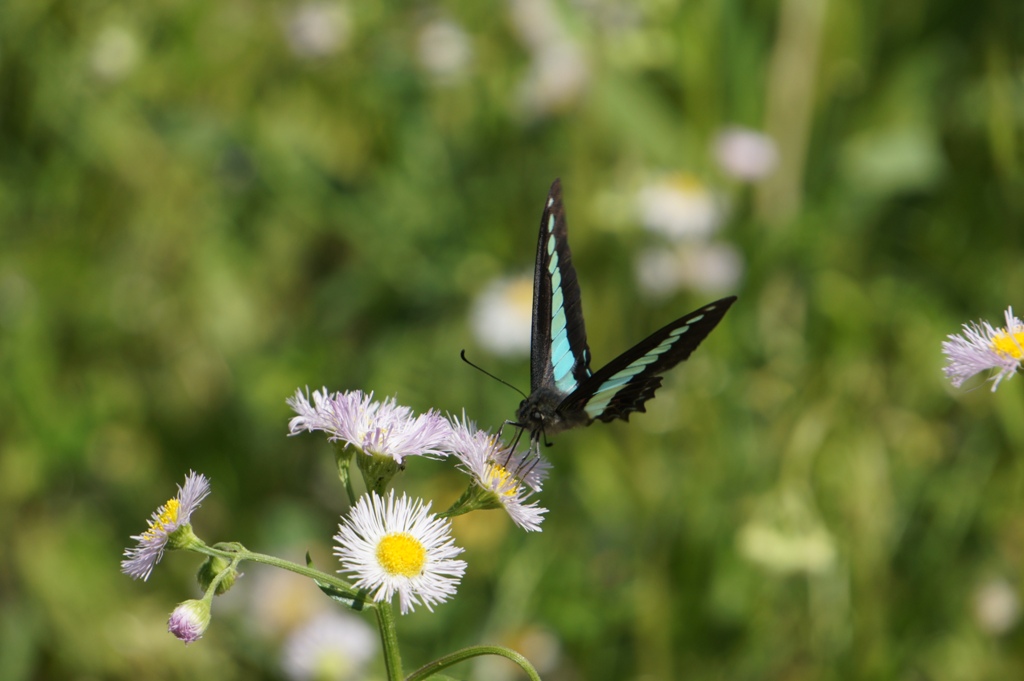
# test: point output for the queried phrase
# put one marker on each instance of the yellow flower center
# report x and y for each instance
(1009, 344)
(506, 481)
(167, 517)
(520, 292)
(400, 553)
(687, 183)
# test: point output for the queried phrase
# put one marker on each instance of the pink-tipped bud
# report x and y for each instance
(189, 620)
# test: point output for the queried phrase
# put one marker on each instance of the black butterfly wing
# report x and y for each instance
(628, 381)
(559, 356)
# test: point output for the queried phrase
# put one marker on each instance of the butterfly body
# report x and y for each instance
(540, 413)
(564, 393)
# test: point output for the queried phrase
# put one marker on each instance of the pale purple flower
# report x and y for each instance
(140, 559)
(398, 546)
(376, 428)
(189, 620)
(745, 154)
(982, 347)
(511, 478)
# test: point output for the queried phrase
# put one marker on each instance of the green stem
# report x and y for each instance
(241, 553)
(475, 498)
(459, 507)
(431, 668)
(343, 459)
(389, 641)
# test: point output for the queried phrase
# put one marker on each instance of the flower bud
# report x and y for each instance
(189, 620)
(209, 571)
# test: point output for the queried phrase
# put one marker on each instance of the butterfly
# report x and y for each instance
(564, 393)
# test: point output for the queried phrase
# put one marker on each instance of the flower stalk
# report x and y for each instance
(389, 641)
(343, 461)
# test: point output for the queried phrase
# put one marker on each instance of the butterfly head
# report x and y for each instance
(532, 417)
(540, 414)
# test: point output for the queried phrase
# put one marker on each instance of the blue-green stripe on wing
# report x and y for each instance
(628, 381)
(559, 358)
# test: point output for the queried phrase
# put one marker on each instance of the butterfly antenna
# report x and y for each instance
(488, 373)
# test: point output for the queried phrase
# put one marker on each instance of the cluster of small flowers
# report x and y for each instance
(388, 430)
(388, 544)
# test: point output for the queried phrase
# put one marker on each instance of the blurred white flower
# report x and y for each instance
(333, 646)
(704, 267)
(501, 316)
(744, 154)
(284, 603)
(536, 23)
(680, 207)
(115, 53)
(657, 272)
(996, 606)
(559, 72)
(317, 29)
(558, 76)
(444, 51)
(786, 535)
(615, 16)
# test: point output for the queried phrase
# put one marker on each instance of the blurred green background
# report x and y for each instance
(207, 205)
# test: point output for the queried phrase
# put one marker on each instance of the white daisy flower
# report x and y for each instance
(375, 428)
(506, 478)
(393, 545)
(680, 206)
(501, 316)
(140, 559)
(983, 347)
